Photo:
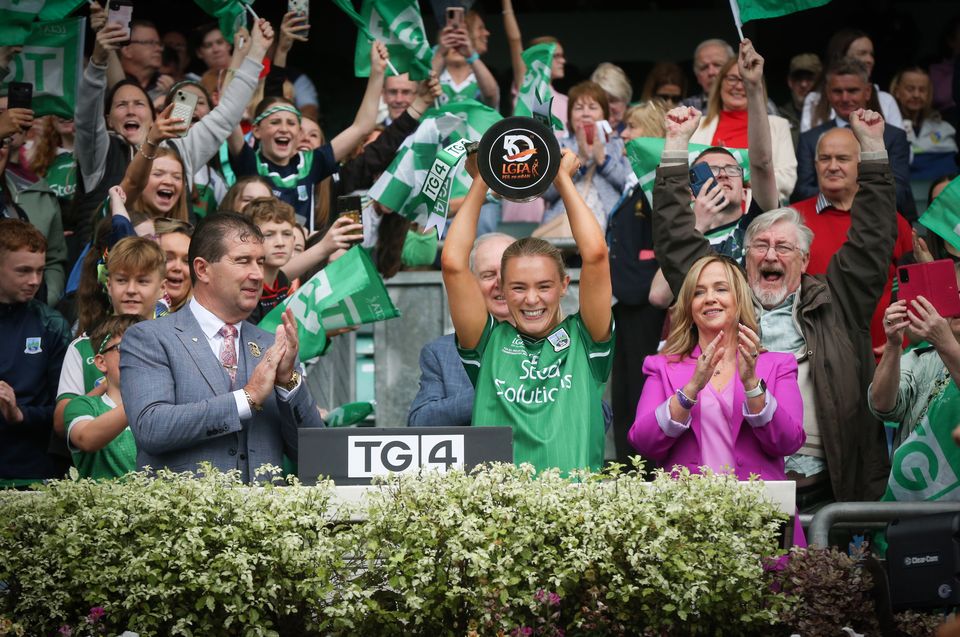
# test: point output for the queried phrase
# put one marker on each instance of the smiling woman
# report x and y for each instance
(714, 397)
(538, 372)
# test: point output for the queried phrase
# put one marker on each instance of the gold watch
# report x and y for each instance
(291, 384)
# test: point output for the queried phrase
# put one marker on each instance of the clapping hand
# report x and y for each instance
(706, 365)
(749, 349)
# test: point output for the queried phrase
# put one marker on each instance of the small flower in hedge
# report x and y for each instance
(65, 630)
(96, 614)
(553, 599)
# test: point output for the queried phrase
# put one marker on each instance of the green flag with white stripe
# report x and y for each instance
(927, 465)
(536, 82)
(399, 25)
(346, 293)
(52, 62)
(398, 188)
(943, 215)
(644, 154)
(17, 16)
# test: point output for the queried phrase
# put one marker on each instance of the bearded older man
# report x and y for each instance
(823, 320)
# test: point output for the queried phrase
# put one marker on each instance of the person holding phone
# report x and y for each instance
(604, 165)
(457, 64)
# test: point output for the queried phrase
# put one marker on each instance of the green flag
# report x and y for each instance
(346, 293)
(399, 25)
(927, 465)
(644, 154)
(536, 81)
(349, 414)
(398, 188)
(52, 62)
(17, 16)
(229, 14)
(943, 215)
(746, 10)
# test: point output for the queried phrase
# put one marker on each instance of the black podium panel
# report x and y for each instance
(355, 455)
(923, 561)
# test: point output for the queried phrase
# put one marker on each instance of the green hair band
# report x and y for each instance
(276, 109)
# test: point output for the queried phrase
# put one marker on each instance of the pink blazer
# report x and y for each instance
(759, 447)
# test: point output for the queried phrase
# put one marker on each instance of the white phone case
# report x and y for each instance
(184, 104)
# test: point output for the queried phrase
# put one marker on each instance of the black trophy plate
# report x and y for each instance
(518, 158)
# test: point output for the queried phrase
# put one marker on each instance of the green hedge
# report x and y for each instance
(495, 552)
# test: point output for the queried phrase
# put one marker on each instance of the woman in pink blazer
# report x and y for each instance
(713, 397)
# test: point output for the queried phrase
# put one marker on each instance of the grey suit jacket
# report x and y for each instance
(180, 408)
(446, 394)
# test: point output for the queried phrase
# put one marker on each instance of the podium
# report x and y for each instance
(352, 456)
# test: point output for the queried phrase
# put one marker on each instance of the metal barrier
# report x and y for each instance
(868, 513)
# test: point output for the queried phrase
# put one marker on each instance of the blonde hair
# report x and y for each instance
(715, 101)
(534, 247)
(684, 336)
(613, 80)
(649, 117)
(136, 256)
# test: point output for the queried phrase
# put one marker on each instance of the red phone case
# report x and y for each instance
(935, 281)
(590, 132)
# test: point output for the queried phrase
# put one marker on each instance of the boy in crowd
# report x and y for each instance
(277, 222)
(34, 340)
(136, 268)
(97, 434)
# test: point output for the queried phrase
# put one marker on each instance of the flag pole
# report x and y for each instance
(735, 9)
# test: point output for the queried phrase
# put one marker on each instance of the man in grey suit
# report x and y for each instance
(446, 395)
(203, 384)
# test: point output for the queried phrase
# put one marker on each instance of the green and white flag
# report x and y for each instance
(644, 154)
(399, 187)
(746, 10)
(536, 89)
(17, 17)
(52, 62)
(346, 293)
(943, 215)
(349, 414)
(229, 14)
(399, 25)
(927, 465)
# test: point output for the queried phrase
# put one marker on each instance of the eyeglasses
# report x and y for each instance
(730, 170)
(733, 80)
(153, 43)
(783, 249)
(111, 348)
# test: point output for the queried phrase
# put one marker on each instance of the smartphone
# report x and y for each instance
(184, 105)
(121, 12)
(935, 281)
(20, 95)
(349, 206)
(455, 17)
(699, 175)
(300, 7)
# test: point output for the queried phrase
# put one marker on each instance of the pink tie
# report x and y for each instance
(228, 351)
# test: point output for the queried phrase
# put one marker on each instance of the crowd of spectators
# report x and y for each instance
(138, 252)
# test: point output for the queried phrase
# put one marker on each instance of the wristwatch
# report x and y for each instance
(291, 384)
(756, 391)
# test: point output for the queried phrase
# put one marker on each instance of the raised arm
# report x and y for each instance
(489, 90)
(763, 180)
(91, 126)
(467, 307)
(858, 271)
(596, 291)
(515, 42)
(676, 240)
(205, 137)
(344, 143)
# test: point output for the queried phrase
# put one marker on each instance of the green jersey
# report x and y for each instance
(78, 375)
(451, 92)
(117, 459)
(548, 390)
(62, 176)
